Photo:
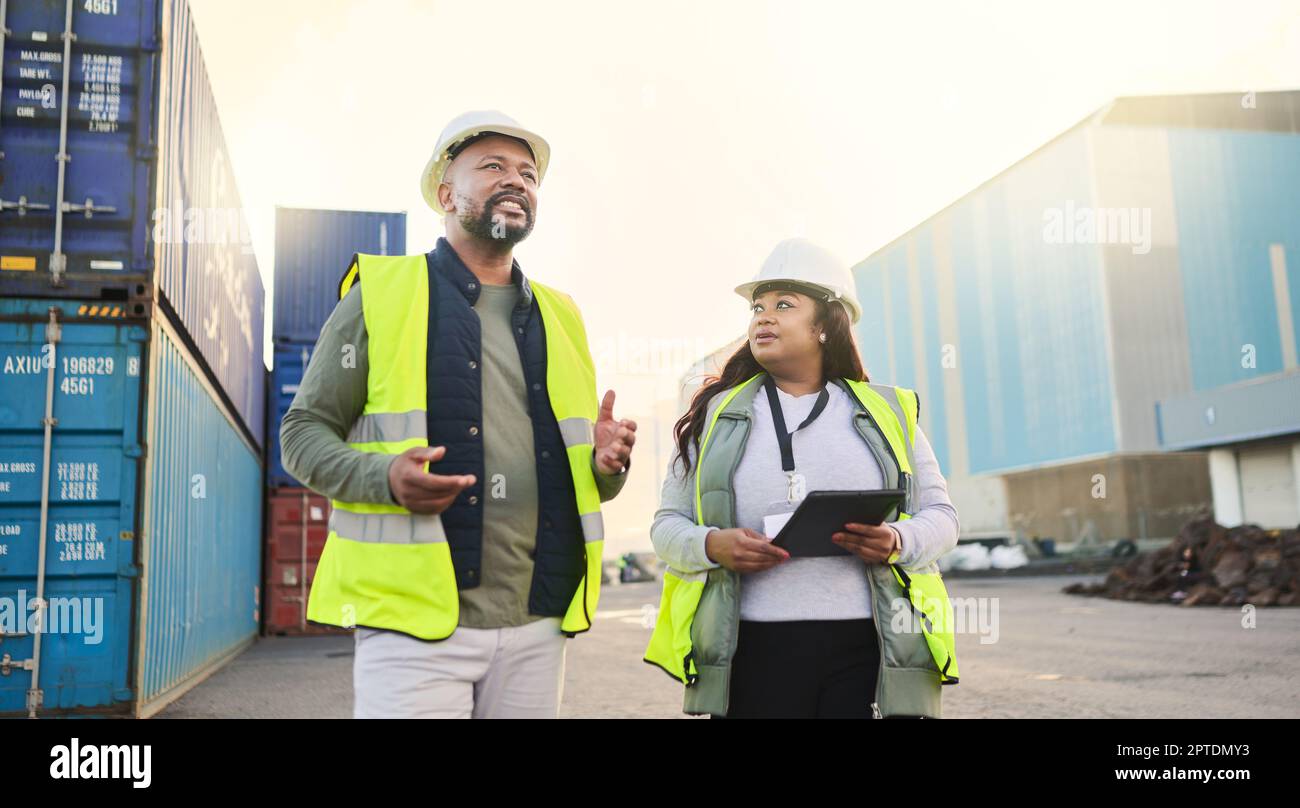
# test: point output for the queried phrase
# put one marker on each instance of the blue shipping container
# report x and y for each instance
(143, 204)
(291, 360)
(313, 249)
(154, 513)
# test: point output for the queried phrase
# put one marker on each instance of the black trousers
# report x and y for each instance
(805, 669)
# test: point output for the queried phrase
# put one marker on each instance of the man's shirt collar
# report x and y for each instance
(454, 270)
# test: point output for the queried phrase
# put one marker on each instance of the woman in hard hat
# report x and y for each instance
(752, 631)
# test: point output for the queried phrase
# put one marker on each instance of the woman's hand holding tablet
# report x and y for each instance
(825, 515)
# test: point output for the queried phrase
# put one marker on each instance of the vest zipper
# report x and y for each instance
(731, 483)
(880, 639)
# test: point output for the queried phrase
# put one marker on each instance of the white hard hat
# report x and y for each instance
(800, 262)
(466, 126)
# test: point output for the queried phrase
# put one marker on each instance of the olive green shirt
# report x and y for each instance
(332, 395)
(510, 484)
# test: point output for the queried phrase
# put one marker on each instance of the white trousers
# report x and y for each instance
(512, 672)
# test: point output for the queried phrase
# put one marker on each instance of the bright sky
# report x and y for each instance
(689, 137)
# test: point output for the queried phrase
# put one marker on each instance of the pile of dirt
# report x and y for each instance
(1210, 565)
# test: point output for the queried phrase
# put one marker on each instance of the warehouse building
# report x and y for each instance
(1126, 290)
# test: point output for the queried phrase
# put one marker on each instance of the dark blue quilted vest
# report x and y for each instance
(456, 404)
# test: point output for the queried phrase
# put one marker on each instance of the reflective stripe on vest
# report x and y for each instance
(388, 427)
(385, 567)
(387, 528)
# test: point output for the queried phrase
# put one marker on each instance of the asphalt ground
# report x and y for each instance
(1028, 650)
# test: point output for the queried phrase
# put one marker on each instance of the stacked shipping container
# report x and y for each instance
(313, 248)
(132, 391)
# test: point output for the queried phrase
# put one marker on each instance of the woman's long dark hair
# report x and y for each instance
(839, 360)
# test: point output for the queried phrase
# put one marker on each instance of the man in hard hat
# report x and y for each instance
(450, 412)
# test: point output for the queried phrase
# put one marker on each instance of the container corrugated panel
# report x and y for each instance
(202, 531)
(297, 525)
(291, 360)
(152, 211)
(312, 250)
(212, 282)
(192, 569)
(95, 464)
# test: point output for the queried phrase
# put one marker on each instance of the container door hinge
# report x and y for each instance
(21, 205)
(89, 208)
(8, 665)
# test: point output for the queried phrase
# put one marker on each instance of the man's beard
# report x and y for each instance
(481, 223)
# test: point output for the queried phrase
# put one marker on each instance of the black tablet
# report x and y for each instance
(808, 533)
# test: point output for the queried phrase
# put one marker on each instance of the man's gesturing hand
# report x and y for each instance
(614, 439)
(419, 491)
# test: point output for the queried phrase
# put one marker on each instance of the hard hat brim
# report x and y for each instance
(746, 290)
(437, 164)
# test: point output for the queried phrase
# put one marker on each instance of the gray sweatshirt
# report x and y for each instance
(831, 455)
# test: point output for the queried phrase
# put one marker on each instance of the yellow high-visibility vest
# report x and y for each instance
(694, 638)
(386, 567)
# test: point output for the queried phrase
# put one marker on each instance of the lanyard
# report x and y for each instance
(783, 438)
